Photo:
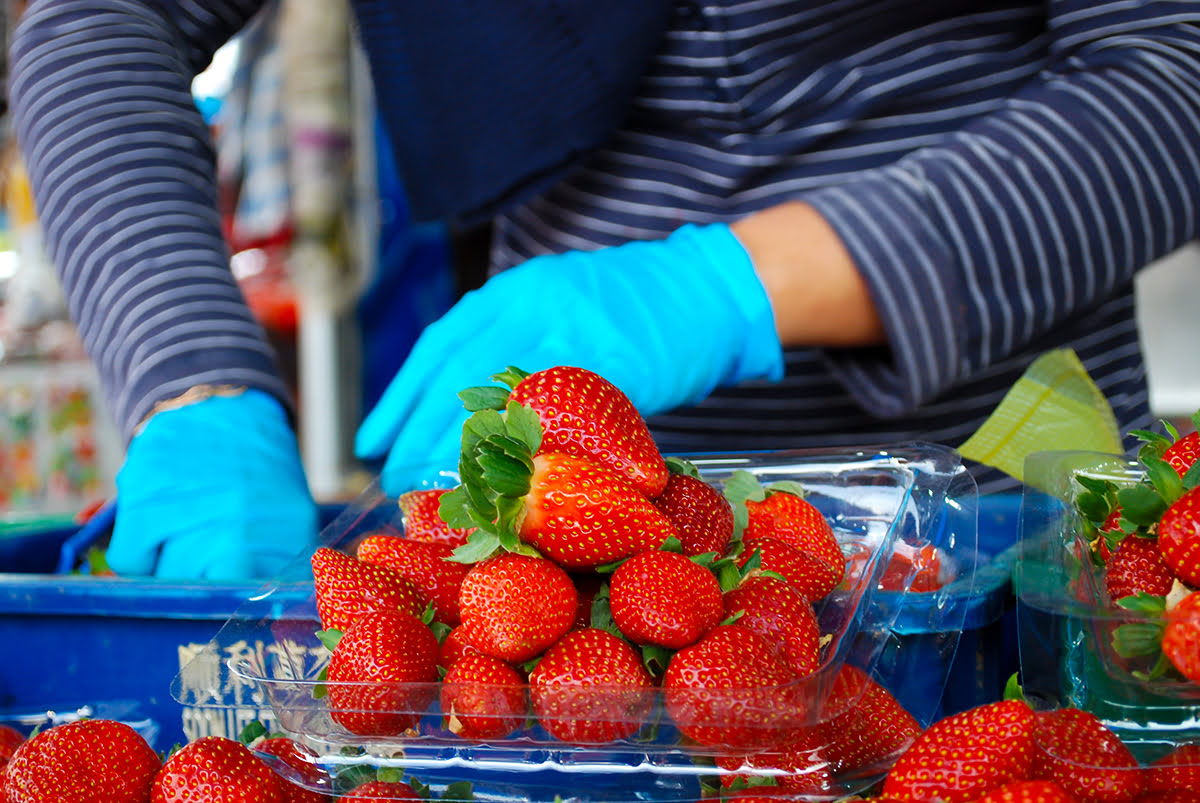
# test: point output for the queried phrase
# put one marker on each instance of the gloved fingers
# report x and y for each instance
(212, 552)
(139, 531)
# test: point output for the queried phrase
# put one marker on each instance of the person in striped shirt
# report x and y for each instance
(773, 223)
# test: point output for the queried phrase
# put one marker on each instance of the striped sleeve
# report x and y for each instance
(977, 245)
(123, 175)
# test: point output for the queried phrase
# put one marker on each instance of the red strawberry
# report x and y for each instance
(10, 740)
(1179, 537)
(799, 768)
(1028, 792)
(422, 521)
(731, 689)
(456, 644)
(1181, 636)
(863, 726)
(591, 687)
(347, 587)
(300, 764)
(216, 770)
(775, 610)
(664, 598)
(82, 761)
(700, 513)
(1137, 566)
(967, 754)
(812, 577)
(516, 606)
(1178, 769)
(1081, 755)
(382, 673)
(1183, 453)
(586, 416)
(426, 565)
(1169, 796)
(482, 697)
(382, 792)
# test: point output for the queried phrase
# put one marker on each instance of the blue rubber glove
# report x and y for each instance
(214, 490)
(666, 321)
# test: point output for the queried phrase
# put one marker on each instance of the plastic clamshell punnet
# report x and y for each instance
(905, 496)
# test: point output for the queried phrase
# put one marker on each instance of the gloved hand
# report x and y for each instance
(213, 490)
(666, 321)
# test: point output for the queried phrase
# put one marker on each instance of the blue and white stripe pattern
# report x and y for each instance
(999, 171)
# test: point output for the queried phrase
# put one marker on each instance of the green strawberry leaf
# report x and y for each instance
(741, 520)
(733, 617)
(1137, 639)
(511, 376)
(480, 545)
(672, 544)
(752, 564)
(1160, 668)
(459, 792)
(786, 487)
(1141, 505)
(329, 638)
(706, 559)
(481, 425)
(729, 576)
(677, 465)
(1012, 689)
(656, 658)
(253, 731)
(320, 689)
(1164, 478)
(484, 397)
(1093, 506)
(1191, 477)
(394, 775)
(523, 425)
(1096, 484)
(454, 508)
(1144, 604)
(601, 614)
(504, 472)
(742, 486)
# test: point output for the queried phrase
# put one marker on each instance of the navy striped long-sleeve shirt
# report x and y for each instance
(998, 170)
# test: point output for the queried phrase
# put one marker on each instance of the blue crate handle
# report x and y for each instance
(99, 525)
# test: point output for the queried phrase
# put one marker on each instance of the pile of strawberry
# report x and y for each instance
(107, 761)
(576, 584)
(1144, 542)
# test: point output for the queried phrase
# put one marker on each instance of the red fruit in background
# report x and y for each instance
(1171, 796)
(967, 754)
(1179, 537)
(1178, 769)
(422, 522)
(516, 605)
(10, 740)
(812, 577)
(216, 770)
(482, 697)
(382, 792)
(1137, 566)
(347, 587)
(731, 689)
(581, 516)
(1028, 792)
(664, 598)
(863, 725)
(701, 514)
(426, 565)
(1181, 636)
(1183, 453)
(83, 761)
(775, 610)
(585, 415)
(590, 688)
(382, 673)
(1075, 750)
(302, 775)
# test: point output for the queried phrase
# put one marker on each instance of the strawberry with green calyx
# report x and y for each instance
(1137, 566)
(701, 514)
(1028, 792)
(591, 688)
(428, 566)
(1178, 769)
(216, 770)
(482, 697)
(1179, 536)
(583, 415)
(1143, 637)
(80, 762)
(1178, 452)
(775, 610)
(381, 674)
(1101, 516)
(515, 606)
(565, 508)
(422, 522)
(812, 577)
(347, 587)
(665, 598)
(1075, 750)
(965, 755)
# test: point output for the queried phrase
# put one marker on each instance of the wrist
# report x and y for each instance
(193, 395)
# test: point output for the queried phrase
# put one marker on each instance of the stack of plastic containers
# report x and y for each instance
(880, 504)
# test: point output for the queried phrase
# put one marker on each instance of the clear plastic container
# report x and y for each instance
(878, 502)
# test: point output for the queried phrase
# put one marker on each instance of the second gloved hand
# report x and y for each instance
(213, 490)
(666, 321)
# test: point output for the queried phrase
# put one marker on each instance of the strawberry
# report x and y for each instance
(426, 565)
(775, 610)
(516, 606)
(1028, 792)
(456, 644)
(1181, 636)
(591, 687)
(422, 521)
(731, 689)
(381, 673)
(1182, 454)
(583, 415)
(810, 576)
(1179, 537)
(664, 598)
(863, 726)
(1075, 750)
(967, 754)
(300, 763)
(1169, 796)
(347, 587)
(1137, 566)
(1178, 769)
(700, 513)
(216, 770)
(482, 697)
(82, 761)
(382, 792)
(10, 740)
